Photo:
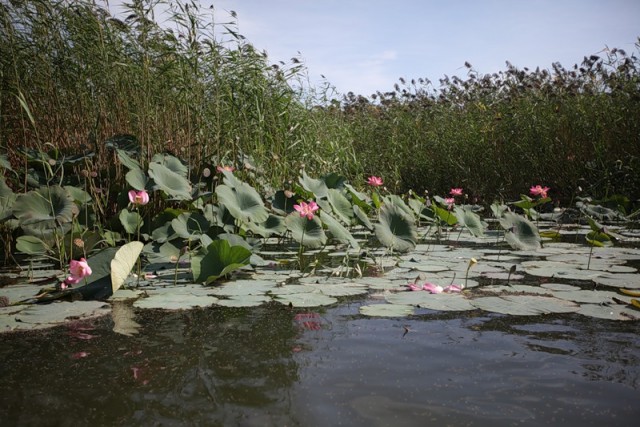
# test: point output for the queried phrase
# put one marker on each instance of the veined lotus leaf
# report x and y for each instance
(358, 199)
(137, 179)
(172, 183)
(305, 299)
(424, 299)
(525, 305)
(164, 233)
(274, 225)
(470, 220)
(122, 263)
(166, 252)
(498, 209)
(316, 186)
(396, 230)
(172, 163)
(338, 231)
(190, 225)
(307, 232)
(130, 220)
(396, 200)
(362, 217)
(31, 245)
(243, 202)
(387, 310)
(520, 233)
(230, 179)
(341, 206)
(220, 259)
(7, 198)
(45, 208)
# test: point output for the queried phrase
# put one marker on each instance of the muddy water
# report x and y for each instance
(273, 366)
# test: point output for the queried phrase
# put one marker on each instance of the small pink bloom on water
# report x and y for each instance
(414, 287)
(221, 169)
(538, 190)
(374, 181)
(79, 269)
(456, 192)
(138, 198)
(433, 288)
(453, 288)
(307, 209)
(450, 201)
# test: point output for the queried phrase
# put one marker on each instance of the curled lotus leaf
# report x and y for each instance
(520, 233)
(338, 231)
(44, 208)
(170, 182)
(316, 186)
(243, 202)
(396, 230)
(307, 232)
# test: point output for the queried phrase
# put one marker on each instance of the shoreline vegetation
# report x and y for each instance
(89, 101)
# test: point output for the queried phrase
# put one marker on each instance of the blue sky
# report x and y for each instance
(366, 45)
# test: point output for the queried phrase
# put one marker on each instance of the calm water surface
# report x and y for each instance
(273, 366)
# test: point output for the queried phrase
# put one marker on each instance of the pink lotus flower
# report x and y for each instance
(450, 201)
(456, 192)
(221, 169)
(79, 269)
(453, 288)
(307, 209)
(414, 287)
(537, 190)
(138, 198)
(374, 181)
(433, 288)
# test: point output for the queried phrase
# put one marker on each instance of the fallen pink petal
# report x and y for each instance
(433, 288)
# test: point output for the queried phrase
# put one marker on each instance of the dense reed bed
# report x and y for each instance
(72, 77)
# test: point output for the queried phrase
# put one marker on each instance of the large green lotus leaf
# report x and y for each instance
(190, 225)
(341, 206)
(396, 230)
(31, 245)
(244, 301)
(130, 220)
(316, 186)
(172, 183)
(122, 263)
(441, 302)
(358, 199)
(78, 195)
(177, 298)
(387, 310)
(611, 312)
(137, 179)
(167, 252)
(333, 180)
(338, 231)
(126, 160)
(243, 202)
(444, 214)
(46, 207)
(307, 232)
(520, 233)
(602, 213)
(587, 296)
(525, 305)
(362, 217)
(292, 289)
(47, 315)
(172, 163)
(274, 225)
(470, 220)
(305, 299)
(221, 259)
(7, 198)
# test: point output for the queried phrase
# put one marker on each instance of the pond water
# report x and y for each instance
(277, 366)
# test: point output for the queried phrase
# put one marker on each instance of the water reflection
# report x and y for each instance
(274, 366)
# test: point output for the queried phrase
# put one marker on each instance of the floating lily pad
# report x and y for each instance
(341, 290)
(244, 301)
(524, 305)
(38, 316)
(611, 312)
(244, 287)
(622, 280)
(387, 310)
(305, 299)
(440, 302)
(177, 298)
